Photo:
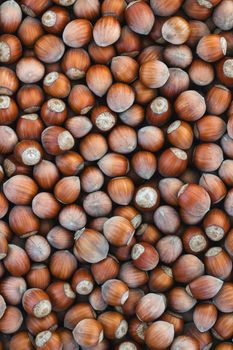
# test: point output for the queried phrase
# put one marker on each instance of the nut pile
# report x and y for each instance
(116, 174)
